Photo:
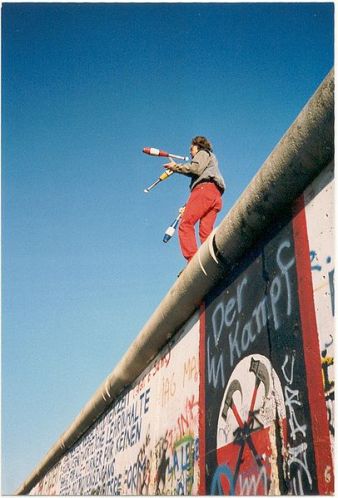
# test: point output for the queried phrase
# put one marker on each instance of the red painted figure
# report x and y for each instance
(207, 186)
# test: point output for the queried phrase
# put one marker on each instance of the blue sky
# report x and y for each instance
(84, 88)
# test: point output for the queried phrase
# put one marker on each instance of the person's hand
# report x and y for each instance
(170, 166)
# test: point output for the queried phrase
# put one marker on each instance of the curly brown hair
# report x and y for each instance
(202, 143)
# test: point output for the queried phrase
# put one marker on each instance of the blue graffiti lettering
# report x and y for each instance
(223, 471)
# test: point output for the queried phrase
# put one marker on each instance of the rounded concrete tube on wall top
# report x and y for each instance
(305, 149)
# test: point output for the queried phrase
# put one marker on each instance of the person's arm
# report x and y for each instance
(195, 167)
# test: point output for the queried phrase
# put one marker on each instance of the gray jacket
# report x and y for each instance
(203, 167)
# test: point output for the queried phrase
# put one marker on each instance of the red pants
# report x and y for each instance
(204, 203)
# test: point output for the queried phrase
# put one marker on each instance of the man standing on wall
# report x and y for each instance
(207, 187)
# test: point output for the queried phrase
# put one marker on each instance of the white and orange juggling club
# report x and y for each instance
(162, 177)
(157, 152)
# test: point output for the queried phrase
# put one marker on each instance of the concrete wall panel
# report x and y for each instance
(148, 442)
(268, 334)
(319, 201)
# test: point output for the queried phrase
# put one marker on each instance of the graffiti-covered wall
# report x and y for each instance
(319, 212)
(148, 442)
(241, 400)
(268, 376)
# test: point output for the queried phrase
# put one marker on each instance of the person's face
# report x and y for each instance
(193, 150)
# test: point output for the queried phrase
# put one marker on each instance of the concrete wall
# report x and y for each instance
(240, 400)
(148, 442)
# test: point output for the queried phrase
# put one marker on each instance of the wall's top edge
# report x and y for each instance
(305, 149)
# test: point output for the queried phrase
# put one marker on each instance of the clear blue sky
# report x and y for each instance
(84, 88)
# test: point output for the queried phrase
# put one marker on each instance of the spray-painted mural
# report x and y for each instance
(267, 364)
(319, 198)
(241, 400)
(252, 330)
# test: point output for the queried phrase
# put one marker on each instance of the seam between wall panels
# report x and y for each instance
(201, 428)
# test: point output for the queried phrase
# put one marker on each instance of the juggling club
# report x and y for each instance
(157, 152)
(170, 231)
(162, 177)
